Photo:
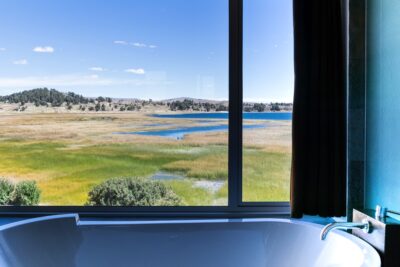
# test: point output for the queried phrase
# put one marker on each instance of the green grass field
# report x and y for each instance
(65, 174)
(69, 153)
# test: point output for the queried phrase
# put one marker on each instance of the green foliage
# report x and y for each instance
(275, 107)
(221, 108)
(42, 96)
(259, 107)
(132, 192)
(25, 193)
(6, 188)
(181, 105)
(100, 99)
(130, 107)
(188, 104)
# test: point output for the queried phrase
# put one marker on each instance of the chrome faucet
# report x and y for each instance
(365, 225)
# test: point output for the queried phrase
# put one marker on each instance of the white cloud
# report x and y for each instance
(136, 71)
(97, 69)
(94, 76)
(2, 49)
(20, 62)
(43, 49)
(139, 44)
(136, 44)
(121, 42)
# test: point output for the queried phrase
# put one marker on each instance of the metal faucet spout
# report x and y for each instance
(365, 225)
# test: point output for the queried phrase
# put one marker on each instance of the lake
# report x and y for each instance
(286, 116)
(205, 117)
(180, 132)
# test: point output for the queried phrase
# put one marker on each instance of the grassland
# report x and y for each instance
(68, 153)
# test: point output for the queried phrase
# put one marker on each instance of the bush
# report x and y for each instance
(26, 193)
(6, 188)
(132, 192)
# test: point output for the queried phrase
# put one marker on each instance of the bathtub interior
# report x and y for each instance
(66, 241)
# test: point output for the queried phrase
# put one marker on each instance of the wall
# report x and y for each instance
(356, 104)
(382, 181)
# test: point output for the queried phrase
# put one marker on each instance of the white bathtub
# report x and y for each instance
(64, 240)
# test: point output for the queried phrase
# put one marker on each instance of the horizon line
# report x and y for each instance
(245, 100)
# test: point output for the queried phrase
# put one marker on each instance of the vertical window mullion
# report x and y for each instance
(235, 102)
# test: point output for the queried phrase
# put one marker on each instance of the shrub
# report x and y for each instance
(26, 193)
(132, 192)
(6, 188)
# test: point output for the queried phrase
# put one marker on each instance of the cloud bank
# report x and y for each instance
(43, 49)
(120, 42)
(135, 71)
(136, 44)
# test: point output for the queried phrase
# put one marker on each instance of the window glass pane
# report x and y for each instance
(267, 95)
(96, 89)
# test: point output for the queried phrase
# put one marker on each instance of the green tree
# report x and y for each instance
(132, 192)
(275, 107)
(26, 193)
(6, 188)
(259, 107)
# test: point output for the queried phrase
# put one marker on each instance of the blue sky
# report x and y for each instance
(143, 48)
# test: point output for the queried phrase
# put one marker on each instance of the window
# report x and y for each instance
(267, 99)
(133, 103)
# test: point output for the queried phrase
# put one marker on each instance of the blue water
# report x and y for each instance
(165, 176)
(287, 116)
(179, 133)
(156, 124)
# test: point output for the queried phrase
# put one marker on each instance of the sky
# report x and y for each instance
(147, 49)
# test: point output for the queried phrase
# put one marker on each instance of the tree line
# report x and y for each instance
(44, 97)
(190, 105)
(52, 97)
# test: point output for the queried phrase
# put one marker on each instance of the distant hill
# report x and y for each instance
(44, 96)
(194, 100)
(70, 101)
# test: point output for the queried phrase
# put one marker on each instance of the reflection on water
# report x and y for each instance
(165, 176)
(224, 115)
(179, 133)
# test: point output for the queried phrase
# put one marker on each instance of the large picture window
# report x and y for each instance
(134, 104)
(268, 74)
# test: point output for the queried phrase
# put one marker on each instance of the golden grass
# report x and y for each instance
(68, 153)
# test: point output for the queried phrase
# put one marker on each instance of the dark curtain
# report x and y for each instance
(318, 179)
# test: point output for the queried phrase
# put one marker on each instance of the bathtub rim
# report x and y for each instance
(107, 222)
(359, 243)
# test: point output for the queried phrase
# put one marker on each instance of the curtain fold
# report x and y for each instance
(318, 178)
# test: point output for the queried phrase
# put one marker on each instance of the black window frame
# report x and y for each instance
(236, 206)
